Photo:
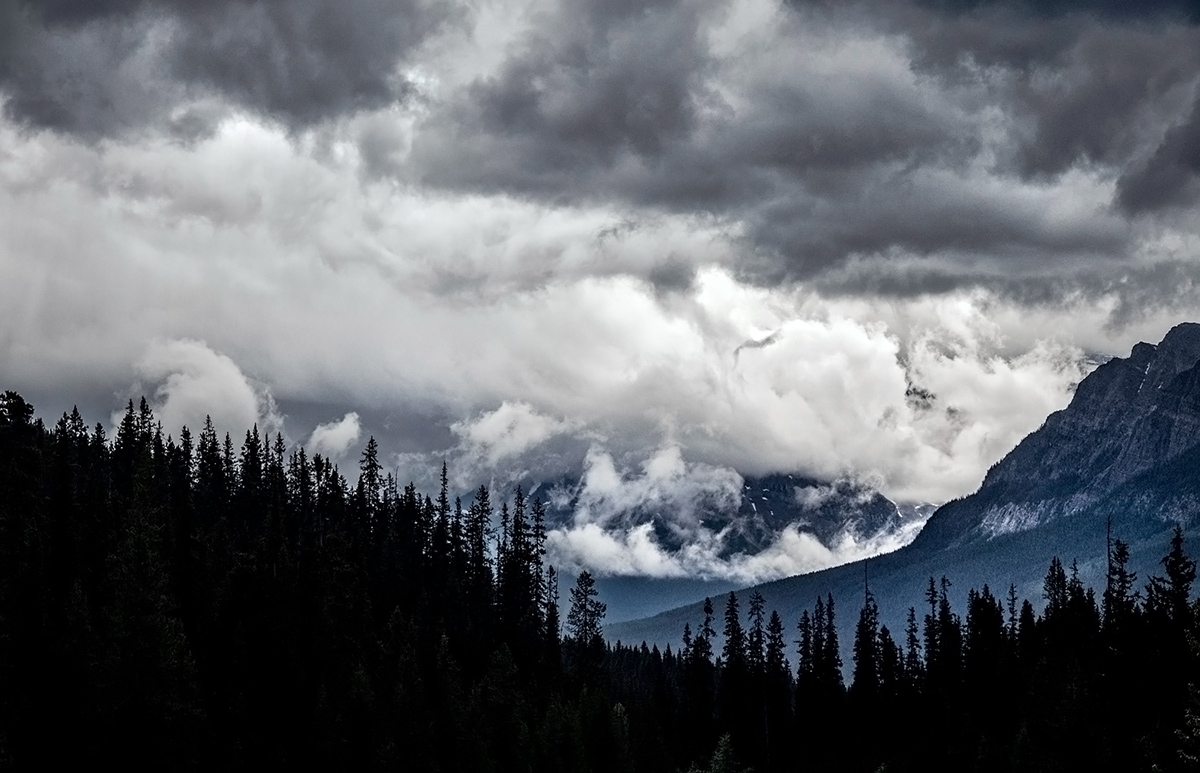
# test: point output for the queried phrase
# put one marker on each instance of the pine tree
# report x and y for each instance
(1170, 596)
(891, 665)
(551, 613)
(536, 556)
(755, 637)
(1012, 613)
(830, 665)
(702, 645)
(950, 642)
(804, 652)
(733, 653)
(914, 667)
(776, 663)
(931, 631)
(777, 692)
(440, 534)
(1120, 600)
(479, 567)
(986, 643)
(865, 687)
(1054, 588)
(586, 614)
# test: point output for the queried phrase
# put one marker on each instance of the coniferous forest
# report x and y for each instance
(180, 601)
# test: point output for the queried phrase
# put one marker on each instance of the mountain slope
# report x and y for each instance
(1126, 449)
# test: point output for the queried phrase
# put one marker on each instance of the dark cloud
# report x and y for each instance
(982, 137)
(945, 154)
(1171, 176)
(109, 68)
(1107, 84)
(1106, 9)
(1132, 295)
(1078, 88)
(303, 61)
(598, 83)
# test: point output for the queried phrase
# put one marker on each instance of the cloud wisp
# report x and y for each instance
(335, 440)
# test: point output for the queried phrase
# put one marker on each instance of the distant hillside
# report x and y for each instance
(1127, 449)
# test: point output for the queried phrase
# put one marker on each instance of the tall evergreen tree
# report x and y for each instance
(586, 615)
(1171, 595)
(702, 644)
(756, 636)
(914, 667)
(865, 687)
(369, 492)
(733, 652)
(804, 651)
(776, 662)
(1120, 599)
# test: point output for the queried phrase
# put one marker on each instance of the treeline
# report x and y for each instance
(1087, 684)
(175, 603)
(185, 603)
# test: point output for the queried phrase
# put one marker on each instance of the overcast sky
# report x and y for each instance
(879, 240)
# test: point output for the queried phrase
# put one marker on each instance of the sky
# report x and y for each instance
(660, 245)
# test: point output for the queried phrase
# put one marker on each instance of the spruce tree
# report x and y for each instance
(702, 644)
(776, 662)
(1170, 596)
(1120, 599)
(866, 653)
(733, 653)
(804, 653)
(586, 615)
(914, 667)
(755, 637)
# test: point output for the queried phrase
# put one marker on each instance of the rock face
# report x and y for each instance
(1128, 417)
(1125, 452)
(826, 510)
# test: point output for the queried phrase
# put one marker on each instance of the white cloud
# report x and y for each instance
(667, 485)
(335, 439)
(796, 552)
(616, 549)
(510, 430)
(619, 513)
(191, 382)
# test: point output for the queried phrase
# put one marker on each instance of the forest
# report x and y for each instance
(179, 602)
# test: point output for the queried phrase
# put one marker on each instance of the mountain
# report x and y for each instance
(1130, 416)
(748, 524)
(826, 510)
(765, 506)
(1124, 452)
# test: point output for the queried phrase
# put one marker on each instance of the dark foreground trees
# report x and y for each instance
(191, 603)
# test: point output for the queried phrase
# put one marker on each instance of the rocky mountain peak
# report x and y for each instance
(1127, 416)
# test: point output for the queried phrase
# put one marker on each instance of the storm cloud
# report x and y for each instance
(120, 67)
(991, 139)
